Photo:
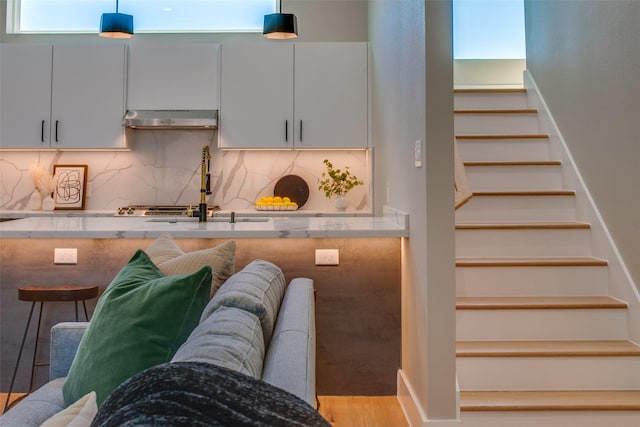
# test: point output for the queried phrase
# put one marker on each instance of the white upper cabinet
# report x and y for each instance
(88, 96)
(25, 95)
(331, 95)
(59, 97)
(302, 95)
(173, 77)
(256, 99)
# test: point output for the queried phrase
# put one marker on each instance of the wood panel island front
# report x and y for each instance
(358, 301)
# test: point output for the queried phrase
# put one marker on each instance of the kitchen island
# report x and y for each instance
(392, 224)
(357, 305)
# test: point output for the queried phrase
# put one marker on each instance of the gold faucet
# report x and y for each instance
(205, 182)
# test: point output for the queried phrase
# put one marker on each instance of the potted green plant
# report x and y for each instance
(336, 183)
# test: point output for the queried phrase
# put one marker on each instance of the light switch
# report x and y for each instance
(418, 153)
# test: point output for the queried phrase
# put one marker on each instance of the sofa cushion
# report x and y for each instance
(292, 349)
(65, 339)
(142, 318)
(229, 337)
(79, 414)
(37, 407)
(202, 394)
(171, 259)
(258, 288)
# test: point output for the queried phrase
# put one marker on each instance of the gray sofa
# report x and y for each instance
(286, 355)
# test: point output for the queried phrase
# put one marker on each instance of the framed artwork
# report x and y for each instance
(71, 186)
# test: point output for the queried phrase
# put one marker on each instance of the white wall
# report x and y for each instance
(585, 60)
(412, 100)
(488, 72)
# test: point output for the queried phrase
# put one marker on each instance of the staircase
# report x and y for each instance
(540, 341)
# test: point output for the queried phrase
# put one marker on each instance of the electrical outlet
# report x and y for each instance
(327, 257)
(65, 256)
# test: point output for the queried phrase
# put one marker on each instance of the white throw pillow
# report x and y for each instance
(79, 414)
(171, 259)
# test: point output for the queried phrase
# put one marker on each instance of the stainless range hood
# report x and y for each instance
(171, 119)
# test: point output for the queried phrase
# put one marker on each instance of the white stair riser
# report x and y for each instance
(501, 124)
(548, 373)
(504, 149)
(548, 324)
(523, 243)
(531, 281)
(549, 419)
(512, 178)
(497, 101)
(517, 208)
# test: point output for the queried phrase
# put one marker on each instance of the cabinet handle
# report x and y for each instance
(286, 131)
(300, 130)
(57, 121)
(42, 131)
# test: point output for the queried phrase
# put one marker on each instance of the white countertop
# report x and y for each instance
(392, 224)
(15, 214)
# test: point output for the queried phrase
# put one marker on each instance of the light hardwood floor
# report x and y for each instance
(342, 411)
(3, 399)
(362, 411)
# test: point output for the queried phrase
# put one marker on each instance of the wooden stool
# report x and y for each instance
(44, 294)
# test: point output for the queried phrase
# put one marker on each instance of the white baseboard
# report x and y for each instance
(412, 409)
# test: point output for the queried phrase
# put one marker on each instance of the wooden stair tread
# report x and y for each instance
(518, 303)
(504, 136)
(525, 193)
(524, 226)
(546, 348)
(497, 111)
(569, 400)
(512, 163)
(490, 90)
(531, 262)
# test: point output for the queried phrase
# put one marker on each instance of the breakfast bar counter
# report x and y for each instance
(391, 224)
(358, 294)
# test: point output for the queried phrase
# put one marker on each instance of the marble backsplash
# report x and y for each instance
(163, 167)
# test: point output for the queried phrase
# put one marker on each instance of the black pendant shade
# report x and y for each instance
(116, 25)
(280, 25)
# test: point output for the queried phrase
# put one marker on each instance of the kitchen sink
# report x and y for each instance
(242, 219)
(172, 220)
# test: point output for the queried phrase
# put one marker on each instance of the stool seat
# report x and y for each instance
(42, 294)
(57, 293)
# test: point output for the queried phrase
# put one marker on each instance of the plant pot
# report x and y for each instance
(340, 203)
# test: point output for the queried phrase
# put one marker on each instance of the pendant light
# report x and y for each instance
(280, 25)
(116, 25)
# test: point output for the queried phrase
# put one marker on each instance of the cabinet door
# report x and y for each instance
(331, 89)
(256, 96)
(25, 95)
(183, 77)
(88, 96)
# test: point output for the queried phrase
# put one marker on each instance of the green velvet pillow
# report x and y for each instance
(140, 321)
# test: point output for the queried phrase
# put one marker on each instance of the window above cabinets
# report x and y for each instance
(150, 16)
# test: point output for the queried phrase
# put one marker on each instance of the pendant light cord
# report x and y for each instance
(117, 6)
